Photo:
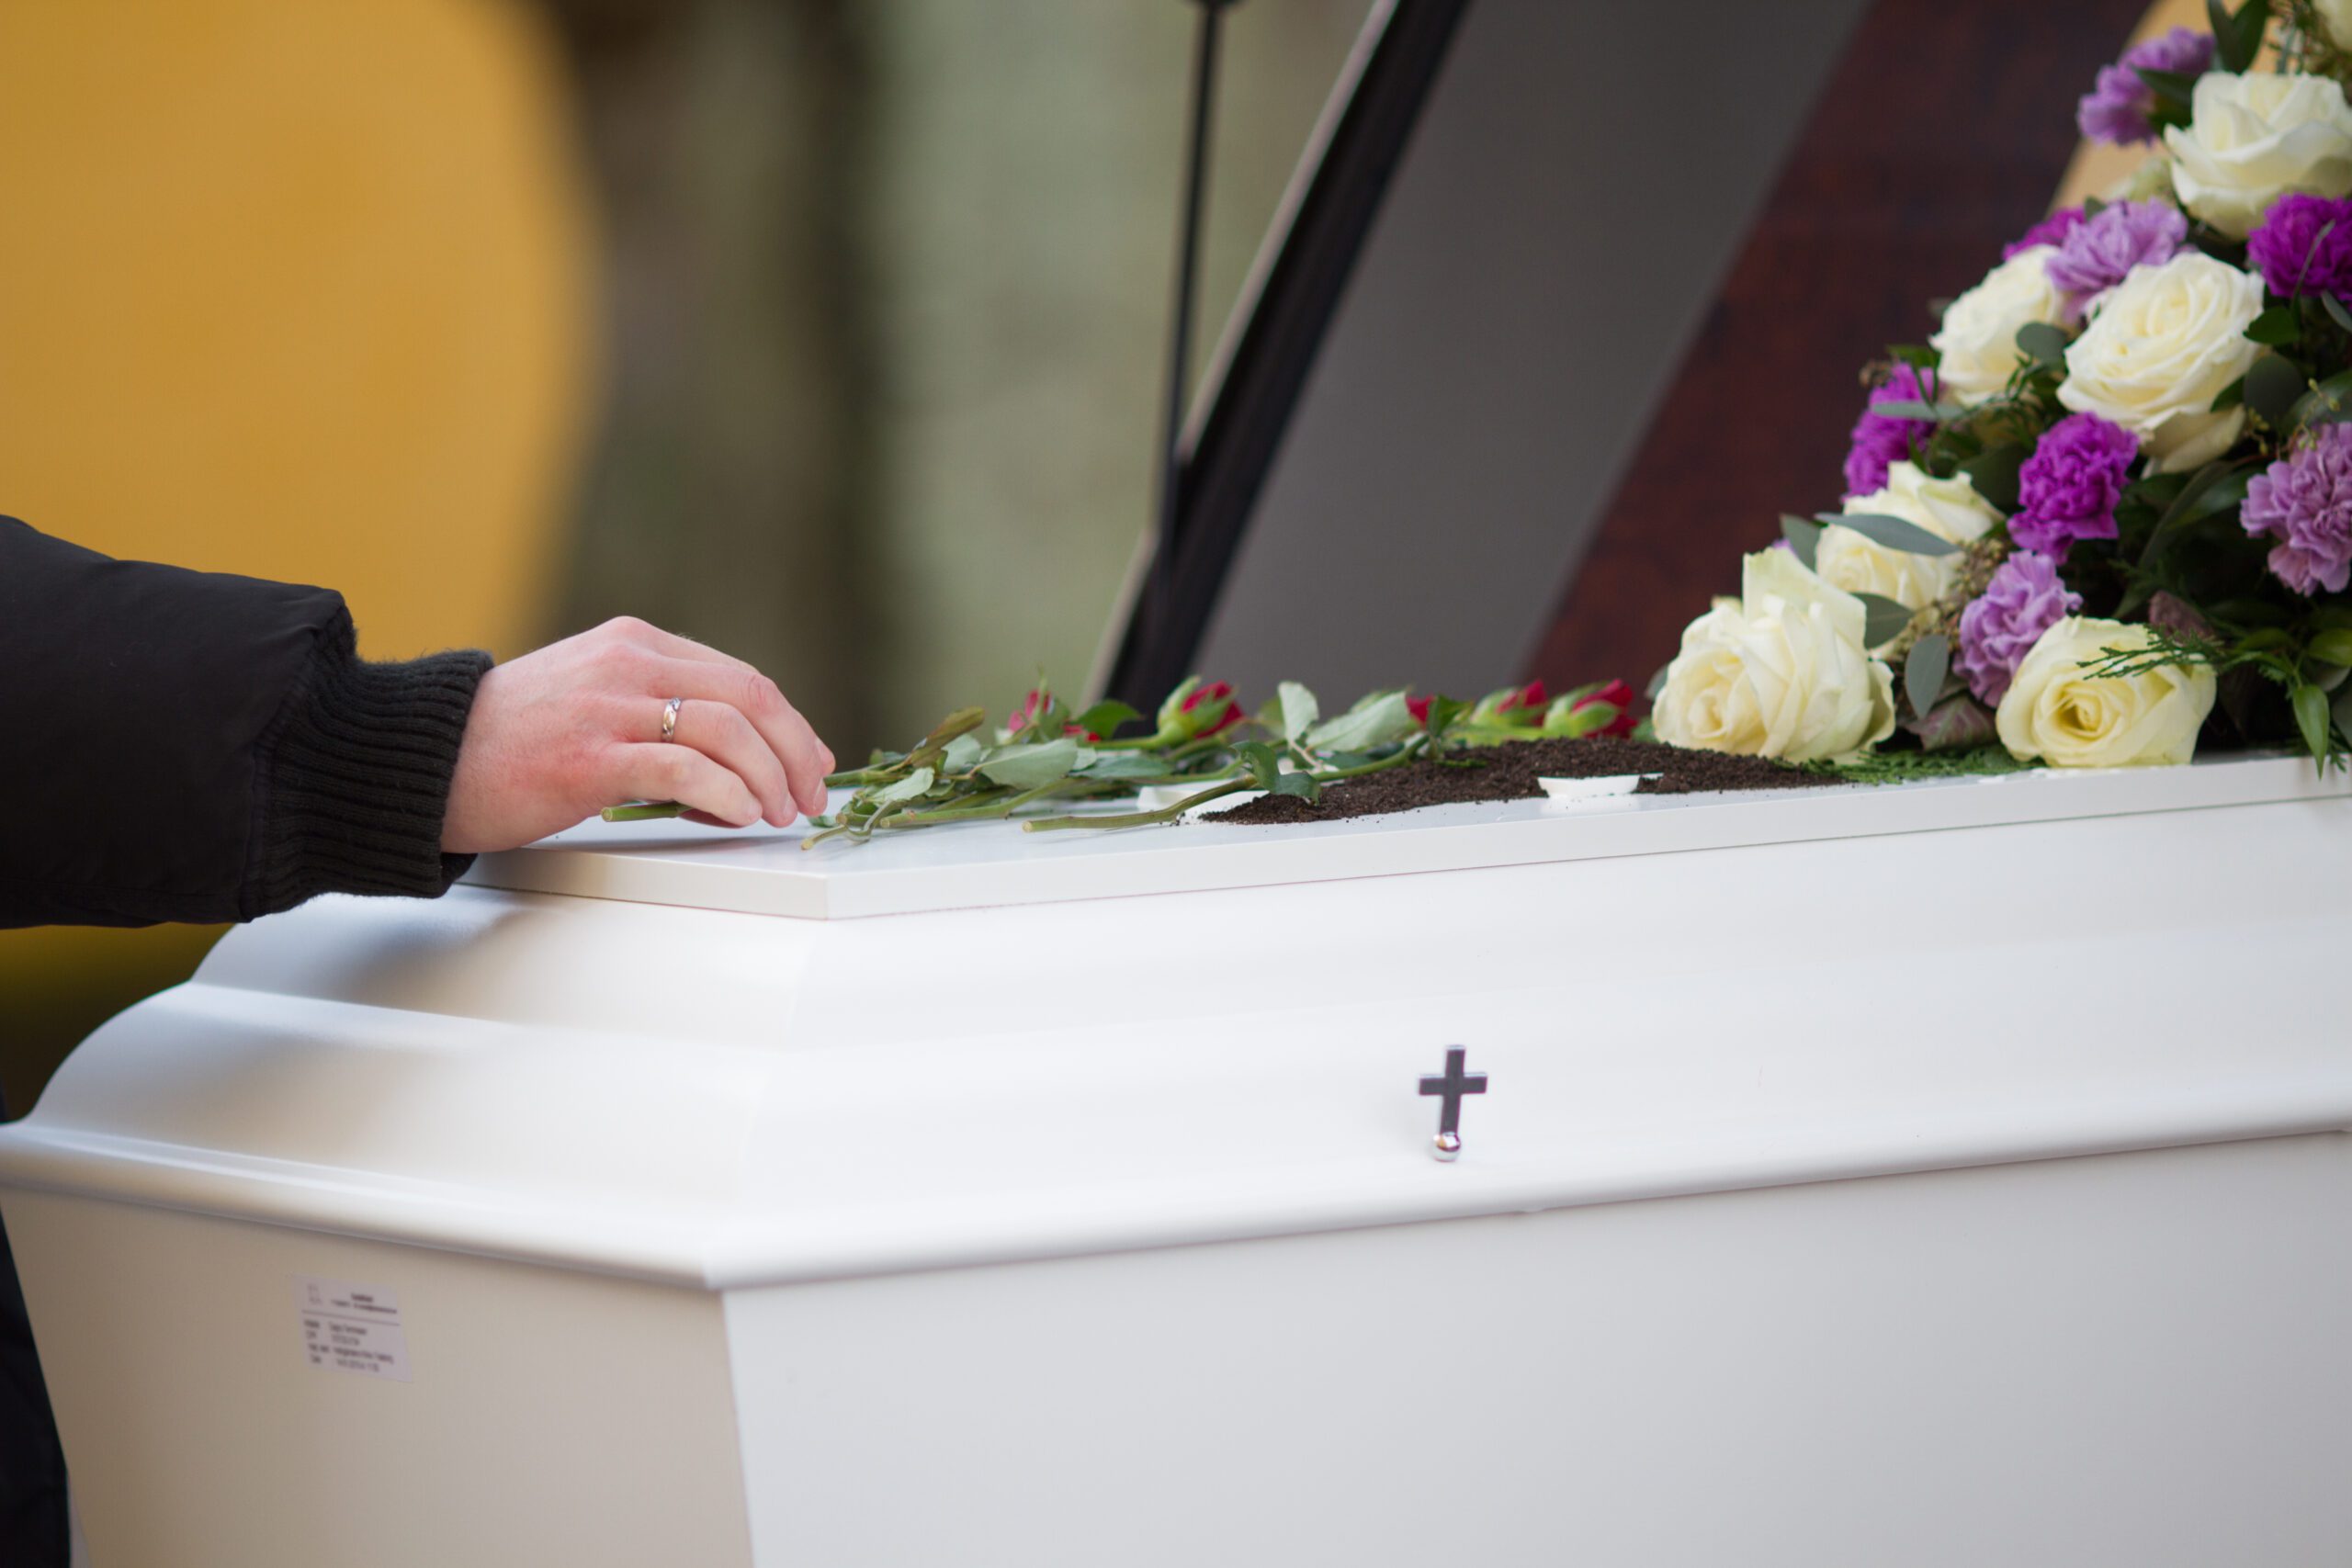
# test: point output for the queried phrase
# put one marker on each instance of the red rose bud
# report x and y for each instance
(1528, 696)
(1212, 708)
(1420, 708)
(1024, 713)
(1617, 695)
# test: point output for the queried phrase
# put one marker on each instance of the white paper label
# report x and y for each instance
(352, 1328)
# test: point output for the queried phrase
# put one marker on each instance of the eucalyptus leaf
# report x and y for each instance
(914, 786)
(1894, 532)
(1994, 473)
(1377, 721)
(2042, 344)
(1883, 619)
(1300, 710)
(2237, 40)
(1658, 682)
(2228, 398)
(2272, 385)
(1924, 671)
(2336, 311)
(1956, 724)
(1911, 408)
(2311, 716)
(1803, 536)
(2332, 647)
(1026, 767)
(2326, 403)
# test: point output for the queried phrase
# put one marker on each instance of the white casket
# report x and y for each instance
(1947, 1174)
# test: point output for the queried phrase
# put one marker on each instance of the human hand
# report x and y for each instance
(558, 735)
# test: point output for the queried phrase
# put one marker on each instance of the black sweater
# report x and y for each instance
(189, 745)
(186, 745)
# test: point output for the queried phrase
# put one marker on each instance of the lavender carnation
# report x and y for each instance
(1881, 439)
(2068, 489)
(2304, 245)
(2102, 252)
(2025, 599)
(2119, 104)
(2305, 501)
(2051, 230)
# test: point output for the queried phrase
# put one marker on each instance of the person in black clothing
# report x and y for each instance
(188, 746)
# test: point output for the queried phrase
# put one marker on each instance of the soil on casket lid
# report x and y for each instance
(1510, 772)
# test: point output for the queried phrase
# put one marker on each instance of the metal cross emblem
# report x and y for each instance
(1453, 1085)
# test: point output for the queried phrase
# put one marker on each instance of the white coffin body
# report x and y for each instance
(1945, 1175)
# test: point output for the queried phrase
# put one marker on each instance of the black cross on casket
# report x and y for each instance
(1453, 1084)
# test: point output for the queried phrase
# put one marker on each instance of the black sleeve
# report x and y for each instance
(188, 746)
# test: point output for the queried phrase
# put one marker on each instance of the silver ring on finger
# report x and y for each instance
(669, 718)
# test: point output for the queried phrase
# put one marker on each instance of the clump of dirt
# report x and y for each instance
(1510, 772)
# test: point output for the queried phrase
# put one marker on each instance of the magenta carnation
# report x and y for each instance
(2051, 230)
(2304, 245)
(2305, 501)
(1882, 439)
(2025, 599)
(2068, 489)
(2103, 250)
(2120, 104)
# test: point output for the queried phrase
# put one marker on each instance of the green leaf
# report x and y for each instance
(2272, 385)
(1995, 473)
(2230, 50)
(2324, 404)
(2336, 311)
(1939, 413)
(1444, 712)
(1300, 785)
(1894, 532)
(2042, 344)
(2310, 717)
(2212, 489)
(2228, 398)
(1658, 682)
(1803, 536)
(1093, 764)
(1300, 710)
(2332, 648)
(1956, 724)
(1265, 767)
(1924, 671)
(1026, 767)
(1376, 720)
(1883, 619)
(962, 754)
(1104, 718)
(913, 787)
(2175, 87)
(2248, 27)
(2276, 327)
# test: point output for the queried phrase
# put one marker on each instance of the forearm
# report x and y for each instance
(184, 745)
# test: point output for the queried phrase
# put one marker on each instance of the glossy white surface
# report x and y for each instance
(764, 871)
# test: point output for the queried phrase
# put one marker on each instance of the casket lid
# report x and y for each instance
(764, 871)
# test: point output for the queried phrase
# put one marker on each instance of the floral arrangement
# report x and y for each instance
(1045, 757)
(2106, 508)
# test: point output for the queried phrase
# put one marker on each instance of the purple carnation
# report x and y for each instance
(2025, 599)
(2103, 251)
(1881, 439)
(2305, 501)
(2304, 246)
(2051, 230)
(2068, 489)
(2119, 104)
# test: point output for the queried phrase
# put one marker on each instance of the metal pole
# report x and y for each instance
(1159, 591)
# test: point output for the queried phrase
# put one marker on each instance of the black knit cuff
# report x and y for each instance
(355, 777)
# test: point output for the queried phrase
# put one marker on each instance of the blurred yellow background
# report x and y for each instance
(826, 332)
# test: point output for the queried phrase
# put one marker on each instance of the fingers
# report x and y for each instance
(754, 698)
(727, 737)
(653, 770)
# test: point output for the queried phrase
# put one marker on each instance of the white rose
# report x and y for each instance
(1778, 671)
(2168, 339)
(2253, 138)
(1950, 508)
(2058, 711)
(1977, 345)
